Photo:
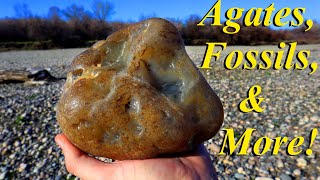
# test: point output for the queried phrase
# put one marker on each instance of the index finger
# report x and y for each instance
(80, 164)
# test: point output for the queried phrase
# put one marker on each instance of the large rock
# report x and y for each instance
(137, 95)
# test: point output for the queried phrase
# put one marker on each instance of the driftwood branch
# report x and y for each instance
(22, 76)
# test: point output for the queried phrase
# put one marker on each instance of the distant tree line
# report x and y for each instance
(78, 27)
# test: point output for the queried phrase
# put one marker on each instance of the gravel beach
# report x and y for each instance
(292, 108)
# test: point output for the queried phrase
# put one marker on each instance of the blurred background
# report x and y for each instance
(46, 24)
(40, 38)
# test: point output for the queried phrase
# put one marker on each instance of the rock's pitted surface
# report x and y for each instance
(137, 95)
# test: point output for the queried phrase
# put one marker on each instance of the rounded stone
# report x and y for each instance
(138, 95)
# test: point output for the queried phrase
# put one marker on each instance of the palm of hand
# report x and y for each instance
(193, 166)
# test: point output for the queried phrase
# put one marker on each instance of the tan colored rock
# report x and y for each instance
(138, 95)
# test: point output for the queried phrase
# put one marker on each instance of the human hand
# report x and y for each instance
(193, 166)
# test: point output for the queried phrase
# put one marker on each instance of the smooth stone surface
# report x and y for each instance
(138, 95)
(301, 162)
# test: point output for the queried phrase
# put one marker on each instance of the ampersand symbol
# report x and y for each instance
(252, 101)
